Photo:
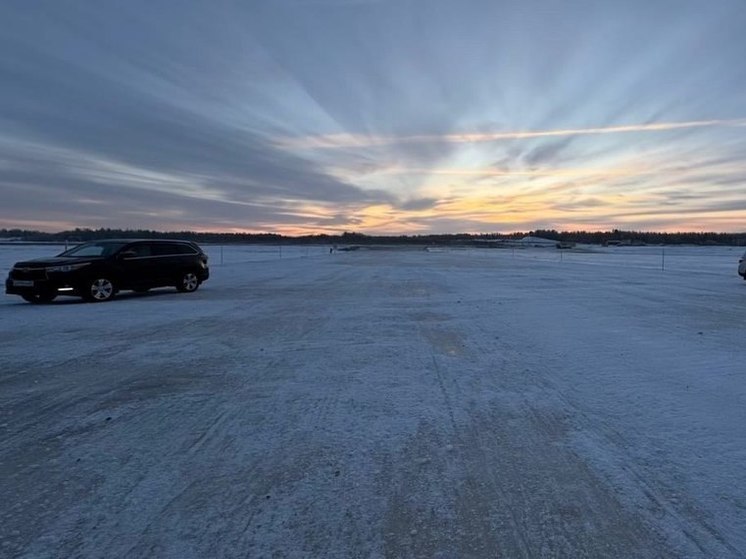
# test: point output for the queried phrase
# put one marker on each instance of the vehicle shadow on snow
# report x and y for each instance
(121, 297)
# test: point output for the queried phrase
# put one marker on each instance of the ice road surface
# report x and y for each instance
(388, 403)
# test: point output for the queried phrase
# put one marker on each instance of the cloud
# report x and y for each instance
(143, 157)
(55, 184)
(331, 141)
(84, 120)
(418, 204)
(546, 153)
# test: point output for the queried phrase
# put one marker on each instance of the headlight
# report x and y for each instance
(68, 267)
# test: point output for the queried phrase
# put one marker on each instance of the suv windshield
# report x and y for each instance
(93, 249)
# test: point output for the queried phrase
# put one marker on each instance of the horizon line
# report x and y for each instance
(371, 235)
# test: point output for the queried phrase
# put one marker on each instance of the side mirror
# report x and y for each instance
(128, 254)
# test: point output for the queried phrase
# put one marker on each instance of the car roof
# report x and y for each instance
(140, 241)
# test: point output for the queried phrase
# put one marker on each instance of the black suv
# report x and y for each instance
(97, 270)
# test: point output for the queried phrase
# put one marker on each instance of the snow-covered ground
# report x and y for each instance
(390, 403)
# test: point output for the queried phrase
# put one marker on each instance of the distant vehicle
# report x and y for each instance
(742, 266)
(97, 270)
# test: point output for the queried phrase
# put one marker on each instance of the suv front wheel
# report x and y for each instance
(99, 290)
(188, 282)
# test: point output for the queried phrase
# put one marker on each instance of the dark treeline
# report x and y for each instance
(591, 237)
(644, 237)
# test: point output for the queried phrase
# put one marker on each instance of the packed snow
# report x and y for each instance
(383, 403)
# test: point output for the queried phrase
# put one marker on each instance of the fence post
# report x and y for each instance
(221, 255)
(663, 258)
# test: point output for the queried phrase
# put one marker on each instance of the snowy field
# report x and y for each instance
(390, 403)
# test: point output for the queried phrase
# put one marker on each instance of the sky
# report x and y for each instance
(374, 116)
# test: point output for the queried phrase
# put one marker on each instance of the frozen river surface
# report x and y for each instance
(392, 403)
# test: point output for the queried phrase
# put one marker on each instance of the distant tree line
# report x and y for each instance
(644, 237)
(347, 238)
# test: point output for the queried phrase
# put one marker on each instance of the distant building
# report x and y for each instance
(624, 243)
(536, 242)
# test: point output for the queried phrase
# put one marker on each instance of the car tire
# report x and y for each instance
(188, 282)
(99, 290)
(39, 298)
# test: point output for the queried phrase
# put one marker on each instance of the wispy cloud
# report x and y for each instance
(496, 172)
(332, 141)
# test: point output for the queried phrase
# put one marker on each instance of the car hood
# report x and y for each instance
(53, 261)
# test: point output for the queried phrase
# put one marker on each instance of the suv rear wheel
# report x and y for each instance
(99, 290)
(188, 282)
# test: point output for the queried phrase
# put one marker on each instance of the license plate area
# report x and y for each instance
(23, 283)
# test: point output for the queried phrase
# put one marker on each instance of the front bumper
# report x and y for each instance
(39, 285)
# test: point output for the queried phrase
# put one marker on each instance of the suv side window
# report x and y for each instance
(141, 250)
(171, 249)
